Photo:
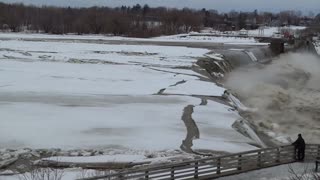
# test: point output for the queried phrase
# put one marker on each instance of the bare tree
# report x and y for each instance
(306, 174)
(135, 21)
(37, 173)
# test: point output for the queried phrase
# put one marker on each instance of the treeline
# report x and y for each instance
(137, 21)
(130, 21)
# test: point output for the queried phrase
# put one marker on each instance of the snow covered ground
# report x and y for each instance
(264, 31)
(173, 38)
(230, 37)
(283, 172)
(65, 174)
(269, 31)
(217, 37)
(198, 37)
(99, 53)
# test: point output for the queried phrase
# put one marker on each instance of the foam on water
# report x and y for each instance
(286, 92)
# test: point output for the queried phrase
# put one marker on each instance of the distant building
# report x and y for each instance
(243, 32)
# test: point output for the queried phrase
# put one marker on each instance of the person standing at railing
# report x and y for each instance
(299, 147)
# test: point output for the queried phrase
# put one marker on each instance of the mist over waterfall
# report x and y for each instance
(286, 93)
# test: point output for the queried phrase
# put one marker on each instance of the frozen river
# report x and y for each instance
(85, 95)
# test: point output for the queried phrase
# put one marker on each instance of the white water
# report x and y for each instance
(286, 93)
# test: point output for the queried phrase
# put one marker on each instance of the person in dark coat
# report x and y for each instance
(299, 147)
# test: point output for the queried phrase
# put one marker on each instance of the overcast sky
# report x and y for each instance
(221, 5)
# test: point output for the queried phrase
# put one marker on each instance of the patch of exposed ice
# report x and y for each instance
(215, 125)
(215, 56)
(195, 87)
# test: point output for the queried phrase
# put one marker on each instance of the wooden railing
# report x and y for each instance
(214, 167)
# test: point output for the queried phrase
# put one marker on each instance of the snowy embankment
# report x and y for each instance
(107, 97)
(190, 38)
(231, 37)
(199, 37)
(269, 31)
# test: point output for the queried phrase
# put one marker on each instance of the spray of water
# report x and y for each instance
(286, 93)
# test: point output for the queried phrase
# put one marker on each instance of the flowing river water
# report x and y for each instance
(282, 93)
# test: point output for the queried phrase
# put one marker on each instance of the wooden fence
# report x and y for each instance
(214, 167)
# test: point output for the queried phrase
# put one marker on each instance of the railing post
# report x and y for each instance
(196, 169)
(218, 165)
(172, 173)
(294, 154)
(318, 154)
(259, 159)
(278, 155)
(239, 162)
(146, 175)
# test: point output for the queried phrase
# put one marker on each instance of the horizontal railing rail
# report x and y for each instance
(214, 167)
